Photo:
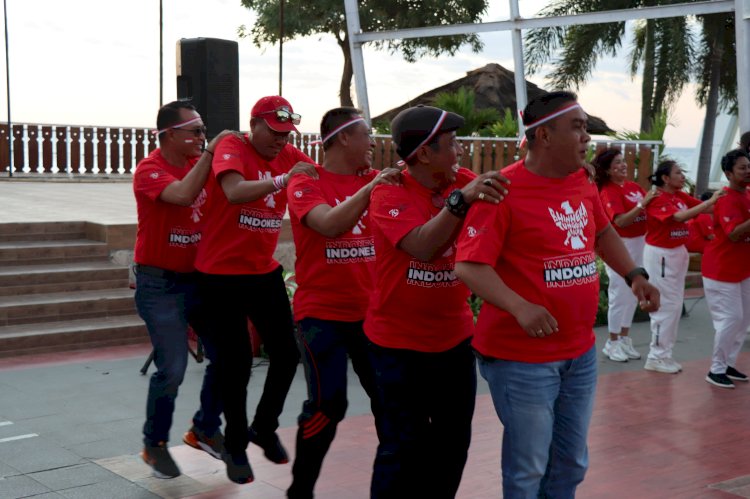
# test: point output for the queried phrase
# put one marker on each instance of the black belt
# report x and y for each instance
(161, 273)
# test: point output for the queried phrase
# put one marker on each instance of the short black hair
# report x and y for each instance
(602, 163)
(664, 168)
(730, 158)
(542, 106)
(169, 113)
(333, 119)
(745, 141)
(706, 195)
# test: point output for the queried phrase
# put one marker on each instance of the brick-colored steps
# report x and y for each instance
(60, 291)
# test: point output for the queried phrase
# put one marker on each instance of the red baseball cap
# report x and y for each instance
(266, 109)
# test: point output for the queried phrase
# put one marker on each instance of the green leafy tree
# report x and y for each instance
(507, 126)
(305, 18)
(663, 50)
(462, 102)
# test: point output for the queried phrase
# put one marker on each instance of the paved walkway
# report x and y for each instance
(70, 423)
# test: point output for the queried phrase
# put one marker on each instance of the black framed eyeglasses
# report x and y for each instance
(282, 116)
(195, 131)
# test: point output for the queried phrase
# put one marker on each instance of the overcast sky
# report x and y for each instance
(96, 62)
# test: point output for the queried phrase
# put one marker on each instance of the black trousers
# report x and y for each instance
(229, 300)
(427, 402)
(325, 347)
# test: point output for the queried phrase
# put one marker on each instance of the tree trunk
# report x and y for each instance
(345, 88)
(647, 87)
(712, 104)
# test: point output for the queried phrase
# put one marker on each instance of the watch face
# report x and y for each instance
(455, 198)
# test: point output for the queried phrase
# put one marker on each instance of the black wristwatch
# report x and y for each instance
(635, 272)
(456, 203)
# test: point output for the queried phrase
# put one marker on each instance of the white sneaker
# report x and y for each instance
(674, 363)
(627, 347)
(661, 366)
(613, 351)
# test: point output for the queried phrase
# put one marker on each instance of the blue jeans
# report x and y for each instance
(167, 305)
(427, 403)
(545, 410)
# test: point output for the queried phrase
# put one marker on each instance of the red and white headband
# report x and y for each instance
(178, 125)
(336, 130)
(548, 117)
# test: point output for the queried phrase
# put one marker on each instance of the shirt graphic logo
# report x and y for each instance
(472, 232)
(428, 275)
(350, 251)
(298, 194)
(154, 175)
(270, 200)
(197, 205)
(393, 213)
(574, 222)
(357, 229)
(634, 197)
(226, 156)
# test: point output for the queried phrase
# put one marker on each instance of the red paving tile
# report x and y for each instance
(652, 436)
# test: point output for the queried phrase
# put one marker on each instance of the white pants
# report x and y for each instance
(667, 268)
(729, 304)
(622, 301)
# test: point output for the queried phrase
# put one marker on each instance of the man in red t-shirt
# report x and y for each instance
(419, 322)
(169, 195)
(240, 279)
(335, 253)
(726, 271)
(532, 259)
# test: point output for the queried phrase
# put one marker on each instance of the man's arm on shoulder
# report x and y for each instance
(333, 221)
(183, 192)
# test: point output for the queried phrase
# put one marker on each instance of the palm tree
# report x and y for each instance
(716, 73)
(663, 48)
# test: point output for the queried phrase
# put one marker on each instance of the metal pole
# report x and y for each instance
(358, 62)
(7, 91)
(519, 74)
(281, 42)
(742, 33)
(161, 54)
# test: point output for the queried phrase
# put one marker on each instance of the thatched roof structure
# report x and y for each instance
(494, 86)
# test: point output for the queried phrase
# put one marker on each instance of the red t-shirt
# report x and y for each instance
(701, 229)
(540, 240)
(724, 259)
(241, 238)
(334, 274)
(168, 234)
(663, 230)
(619, 199)
(415, 305)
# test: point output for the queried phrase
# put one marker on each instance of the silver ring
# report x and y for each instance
(481, 196)
(487, 181)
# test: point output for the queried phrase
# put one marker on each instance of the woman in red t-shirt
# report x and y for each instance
(726, 271)
(666, 258)
(625, 203)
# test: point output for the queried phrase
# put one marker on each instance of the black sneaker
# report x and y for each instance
(734, 374)
(157, 456)
(238, 467)
(271, 445)
(720, 380)
(198, 439)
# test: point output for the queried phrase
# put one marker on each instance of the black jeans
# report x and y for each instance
(427, 404)
(229, 301)
(325, 346)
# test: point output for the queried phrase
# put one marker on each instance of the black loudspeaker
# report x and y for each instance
(208, 73)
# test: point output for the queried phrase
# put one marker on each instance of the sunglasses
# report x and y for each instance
(282, 116)
(195, 131)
